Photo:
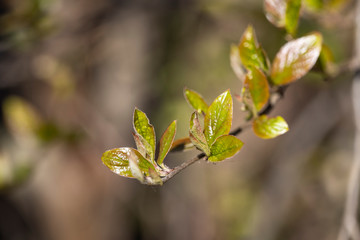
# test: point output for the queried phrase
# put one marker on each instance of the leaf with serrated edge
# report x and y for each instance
(166, 141)
(195, 100)
(117, 160)
(143, 127)
(258, 86)
(275, 11)
(236, 64)
(292, 16)
(197, 136)
(218, 120)
(224, 147)
(295, 59)
(251, 54)
(267, 128)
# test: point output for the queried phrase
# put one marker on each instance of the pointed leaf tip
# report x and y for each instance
(166, 142)
(196, 101)
(144, 129)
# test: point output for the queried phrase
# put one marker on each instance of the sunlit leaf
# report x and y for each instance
(135, 169)
(117, 160)
(292, 16)
(182, 144)
(251, 54)
(266, 128)
(236, 64)
(218, 120)
(196, 101)
(166, 141)
(295, 59)
(197, 136)
(258, 86)
(143, 127)
(275, 11)
(224, 147)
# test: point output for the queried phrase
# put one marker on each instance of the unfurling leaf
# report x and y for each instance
(275, 11)
(117, 160)
(196, 101)
(197, 136)
(224, 147)
(218, 119)
(266, 128)
(154, 178)
(236, 64)
(166, 141)
(295, 59)
(292, 16)
(146, 132)
(181, 144)
(140, 143)
(258, 86)
(251, 54)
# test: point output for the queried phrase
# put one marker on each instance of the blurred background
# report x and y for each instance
(71, 74)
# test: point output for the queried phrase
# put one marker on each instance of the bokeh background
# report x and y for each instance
(71, 74)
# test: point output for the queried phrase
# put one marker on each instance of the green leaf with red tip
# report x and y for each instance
(275, 11)
(266, 128)
(166, 141)
(236, 64)
(258, 86)
(224, 147)
(197, 136)
(251, 54)
(143, 127)
(292, 16)
(196, 101)
(117, 160)
(218, 119)
(295, 59)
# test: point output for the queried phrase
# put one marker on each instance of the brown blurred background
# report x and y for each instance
(71, 73)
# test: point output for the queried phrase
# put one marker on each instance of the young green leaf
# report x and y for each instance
(196, 101)
(224, 147)
(218, 119)
(258, 86)
(135, 169)
(251, 54)
(236, 64)
(266, 128)
(196, 134)
(292, 16)
(166, 141)
(143, 127)
(275, 11)
(295, 59)
(117, 160)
